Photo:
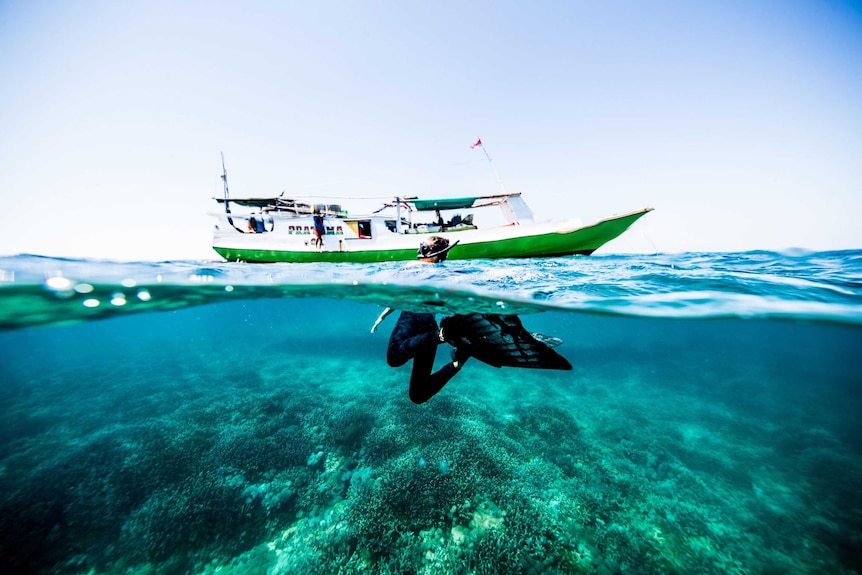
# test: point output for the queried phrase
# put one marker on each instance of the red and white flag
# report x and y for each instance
(477, 144)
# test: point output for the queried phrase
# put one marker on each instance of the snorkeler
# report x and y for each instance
(417, 335)
(498, 340)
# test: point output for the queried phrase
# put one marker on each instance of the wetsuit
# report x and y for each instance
(416, 337)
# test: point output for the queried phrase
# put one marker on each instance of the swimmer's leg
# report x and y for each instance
(423, 384)
(413, 332)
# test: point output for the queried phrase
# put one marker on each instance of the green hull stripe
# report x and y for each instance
(582, 241)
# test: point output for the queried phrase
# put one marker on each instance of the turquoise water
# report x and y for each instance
(189, 417)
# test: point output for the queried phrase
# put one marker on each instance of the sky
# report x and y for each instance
(740, 122)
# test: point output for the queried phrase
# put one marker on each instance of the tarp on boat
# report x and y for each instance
(444, 203)
(251, 202)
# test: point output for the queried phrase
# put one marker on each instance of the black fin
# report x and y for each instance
(501, 341)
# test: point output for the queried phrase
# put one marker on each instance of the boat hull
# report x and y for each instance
(506, 242)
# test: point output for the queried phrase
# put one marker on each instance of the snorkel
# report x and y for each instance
(423, 248)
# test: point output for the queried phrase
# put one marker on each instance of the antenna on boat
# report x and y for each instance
(479, 144)
(224, 179)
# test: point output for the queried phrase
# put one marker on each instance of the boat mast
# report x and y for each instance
(479, 144)
(227, 195)
(398, 215)
(510, 213)
(224, 180)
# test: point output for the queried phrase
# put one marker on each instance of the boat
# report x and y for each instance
(281, 229)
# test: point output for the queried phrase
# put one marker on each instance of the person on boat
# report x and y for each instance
(319, 230)
(255, 224)
(417, 335)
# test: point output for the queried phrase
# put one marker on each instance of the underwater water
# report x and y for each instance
(188, 417)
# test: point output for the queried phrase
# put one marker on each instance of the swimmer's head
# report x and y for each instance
(434, 248)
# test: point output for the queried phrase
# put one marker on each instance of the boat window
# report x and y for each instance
(392, 225)
(364, 228)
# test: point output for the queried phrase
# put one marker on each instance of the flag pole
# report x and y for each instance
(479, 144)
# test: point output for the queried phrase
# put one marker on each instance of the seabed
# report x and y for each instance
(300, 452)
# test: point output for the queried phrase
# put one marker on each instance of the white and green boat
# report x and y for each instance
(279, 229)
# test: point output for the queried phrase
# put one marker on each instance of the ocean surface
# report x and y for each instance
(210, 417)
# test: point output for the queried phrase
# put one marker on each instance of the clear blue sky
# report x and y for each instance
(740, 122)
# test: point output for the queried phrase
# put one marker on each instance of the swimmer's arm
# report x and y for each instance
(380, 318)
